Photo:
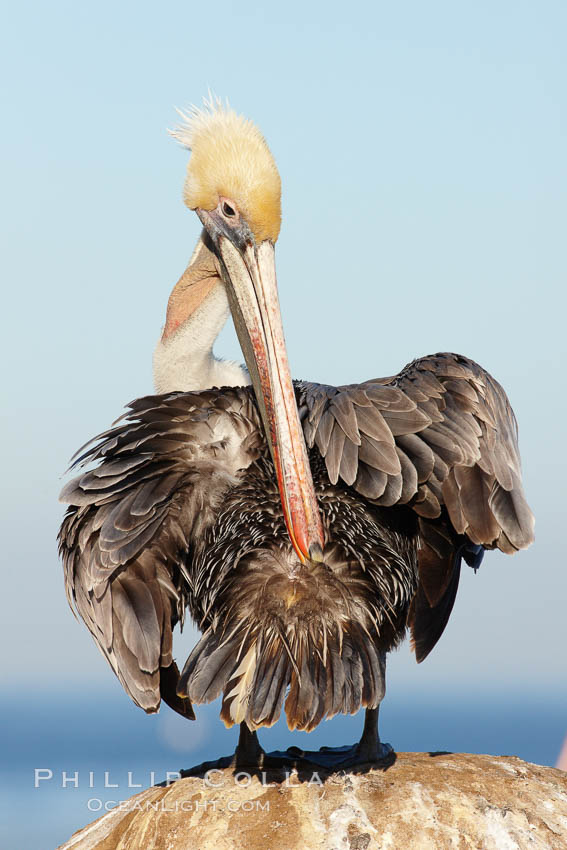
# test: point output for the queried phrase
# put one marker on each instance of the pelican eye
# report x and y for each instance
(228, 211)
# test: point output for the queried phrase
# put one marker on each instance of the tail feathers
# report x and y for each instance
(327, 671)
(272, 675)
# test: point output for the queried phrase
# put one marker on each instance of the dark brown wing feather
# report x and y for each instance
(134, 518)
(440, 437)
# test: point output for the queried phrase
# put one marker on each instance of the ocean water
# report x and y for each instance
(66, 757)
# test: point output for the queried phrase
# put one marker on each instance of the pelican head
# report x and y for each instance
(231, 169)
(234, 187)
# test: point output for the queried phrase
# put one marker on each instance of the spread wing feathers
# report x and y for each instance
(439, 434)
(160, 475)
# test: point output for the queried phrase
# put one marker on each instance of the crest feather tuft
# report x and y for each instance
(230, 158)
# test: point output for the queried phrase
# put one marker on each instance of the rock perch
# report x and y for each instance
(423, 801)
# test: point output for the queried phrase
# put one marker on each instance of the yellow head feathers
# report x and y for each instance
(230, 158)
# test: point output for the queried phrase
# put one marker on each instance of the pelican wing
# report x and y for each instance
(135, 519)
(441, 438)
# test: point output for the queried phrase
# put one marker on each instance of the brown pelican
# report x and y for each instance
(304, 526)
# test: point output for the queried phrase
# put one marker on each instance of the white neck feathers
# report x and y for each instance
(197, 310)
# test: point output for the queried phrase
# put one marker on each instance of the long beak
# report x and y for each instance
(250, 278)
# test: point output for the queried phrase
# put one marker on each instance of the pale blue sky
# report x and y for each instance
(422, 152)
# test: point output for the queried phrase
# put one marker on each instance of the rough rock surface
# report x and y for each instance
(423, 801)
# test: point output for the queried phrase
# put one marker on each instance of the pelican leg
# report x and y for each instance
(248, 756)
(370, 747)
(248, 750)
